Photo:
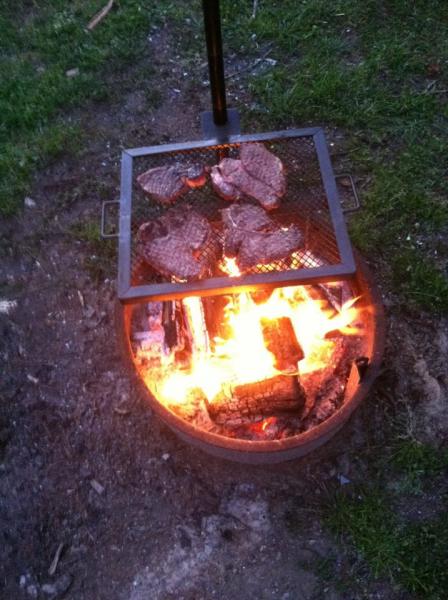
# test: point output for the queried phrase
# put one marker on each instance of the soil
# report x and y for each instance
(84, 462)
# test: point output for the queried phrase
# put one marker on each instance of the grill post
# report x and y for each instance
(221, 122)
(212, 25)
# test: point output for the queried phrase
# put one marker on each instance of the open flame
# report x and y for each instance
(242, 357)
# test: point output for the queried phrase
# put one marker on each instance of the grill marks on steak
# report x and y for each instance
(167, 183)
(254, 238)
(179, 244)
(258, 174)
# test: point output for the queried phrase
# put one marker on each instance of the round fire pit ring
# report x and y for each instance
(275, 451)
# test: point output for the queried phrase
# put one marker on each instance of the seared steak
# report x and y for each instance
(265, 247)
(165, 184)
(254, 238)
(264, 166)
(221, 179)
(179, 244)
(258, 174)
(241, 220)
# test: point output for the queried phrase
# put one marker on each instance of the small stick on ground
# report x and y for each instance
(55, 561)
(251, 66)
(100, 15)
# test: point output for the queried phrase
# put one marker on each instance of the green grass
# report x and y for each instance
(411, 553)
(101, 252)
(414, 555)
(417, 463)
(39, 44)
(376, 71)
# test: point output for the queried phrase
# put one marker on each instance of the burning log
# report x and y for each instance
(251, 401)
(281, 341)
(194, 314)
(169, 324)
(214, 311)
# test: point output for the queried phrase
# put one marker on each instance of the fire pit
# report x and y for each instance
(345, 363)
(253, 330)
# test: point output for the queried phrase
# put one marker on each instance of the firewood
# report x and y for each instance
(196, 327)
(251, 401)
(214, 309)
(280, 339)
(169, 324)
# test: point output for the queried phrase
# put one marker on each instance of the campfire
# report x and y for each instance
(250, 365)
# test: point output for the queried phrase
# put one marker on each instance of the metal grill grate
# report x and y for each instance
(311, 202)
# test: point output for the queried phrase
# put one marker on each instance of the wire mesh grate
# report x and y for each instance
(305, 204)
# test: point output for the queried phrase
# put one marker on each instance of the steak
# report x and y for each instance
(254, 238)
(179, 244)
(258, 174)
(265, 247)
(167, 183)
(264, 166)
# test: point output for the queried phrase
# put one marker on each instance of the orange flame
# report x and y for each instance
(243, 357)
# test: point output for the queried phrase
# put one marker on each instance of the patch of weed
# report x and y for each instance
(87, 231)
(420, 281)
(419, 460)
(101, 257)
(412, 554)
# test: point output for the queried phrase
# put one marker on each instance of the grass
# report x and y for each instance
(378, 72)
(39, 44)
(101, 252)
(413, 554)
(417, 464)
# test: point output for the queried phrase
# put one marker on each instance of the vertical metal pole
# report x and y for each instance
(212, 24)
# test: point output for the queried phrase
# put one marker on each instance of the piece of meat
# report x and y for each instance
(265, 166)
(240, 220)
(179, 244)
(254, 238)
(265, 247)
(221, 185)
(167, 183)
(258, 174)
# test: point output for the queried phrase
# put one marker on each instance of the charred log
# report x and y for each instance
(169, 324)
(316, 381)
(280, 339)
(252, 401)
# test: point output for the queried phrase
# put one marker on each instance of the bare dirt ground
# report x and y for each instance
(84, 463)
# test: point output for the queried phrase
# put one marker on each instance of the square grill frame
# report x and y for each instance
(128, 293)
